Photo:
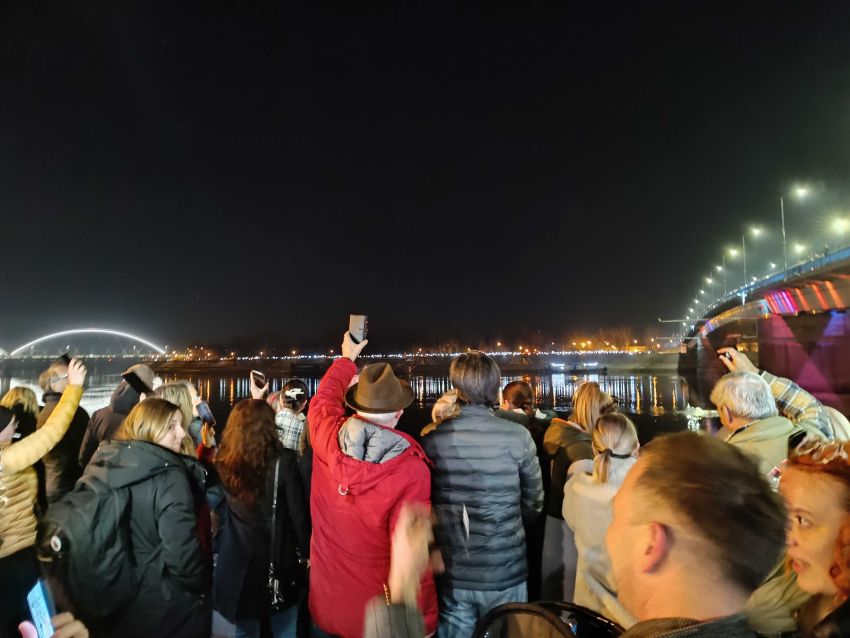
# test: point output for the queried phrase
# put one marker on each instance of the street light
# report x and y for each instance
(799, 192)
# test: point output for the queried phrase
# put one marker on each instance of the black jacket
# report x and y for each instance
(242, 569)
(61, 465)
(174, 596)
(485, 472)
(105, 422)
(563, 445)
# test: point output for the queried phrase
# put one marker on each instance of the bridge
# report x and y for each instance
(794, 323)
(86, 342)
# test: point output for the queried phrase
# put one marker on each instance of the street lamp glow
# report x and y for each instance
(709, 280)
(801, 191)
(701, 291)
(755, 231)
(772, 265)
(799, 248)
(840, 226)
(733, 252)
(690, 309)
(718, 268)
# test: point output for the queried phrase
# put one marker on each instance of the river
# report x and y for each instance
(656, 402)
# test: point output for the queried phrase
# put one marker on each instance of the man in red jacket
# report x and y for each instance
(363, 472)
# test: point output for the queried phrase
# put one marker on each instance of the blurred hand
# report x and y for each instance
(256, 391)
(351, 350)
(735, 360)
(64, 626)
(409, 556)
(76, 372)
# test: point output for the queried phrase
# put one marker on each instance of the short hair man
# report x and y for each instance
(486, 479)
(364, 471)
(747, 401)
(696, 528)
(61, 464)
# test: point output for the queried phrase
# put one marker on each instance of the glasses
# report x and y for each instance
(55, 379)
(819, 452)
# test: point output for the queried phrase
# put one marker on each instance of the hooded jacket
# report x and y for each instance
(486, 478)
(362, 474)
(174, 592)
(104, 423)
(61, 464)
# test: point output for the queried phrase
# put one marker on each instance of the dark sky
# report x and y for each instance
(205, 171)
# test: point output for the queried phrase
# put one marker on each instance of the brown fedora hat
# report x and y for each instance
(378, 390)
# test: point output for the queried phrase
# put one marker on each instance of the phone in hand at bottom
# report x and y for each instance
(41, 609)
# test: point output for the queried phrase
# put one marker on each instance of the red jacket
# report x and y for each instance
(355, 505)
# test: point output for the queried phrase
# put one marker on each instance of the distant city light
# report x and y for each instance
(801, 191)
(733, 252)
(755, 231)
(709, 280)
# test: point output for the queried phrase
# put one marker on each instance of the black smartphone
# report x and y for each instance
(41, 609)
(259, 378)
(358, 327)
(205, 413)
(135, 382)
(65, 358)
(725, 355)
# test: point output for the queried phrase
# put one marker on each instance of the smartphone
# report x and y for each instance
(65, 358)
(358, 327)
(135, 382)
(259, 378)
(41, 609)
(205, 413)
(725, 355)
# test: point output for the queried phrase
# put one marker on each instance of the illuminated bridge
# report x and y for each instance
(89, 343)
(794, 323)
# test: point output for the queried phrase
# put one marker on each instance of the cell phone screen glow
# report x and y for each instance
(40, 610)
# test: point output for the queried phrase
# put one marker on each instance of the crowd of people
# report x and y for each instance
(317, 516)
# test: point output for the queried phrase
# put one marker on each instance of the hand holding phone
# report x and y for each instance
(259, 384)
(205, 413)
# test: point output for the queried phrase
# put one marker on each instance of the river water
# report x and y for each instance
(656, 402)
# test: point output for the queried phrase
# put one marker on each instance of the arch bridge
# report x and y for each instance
(88, 343)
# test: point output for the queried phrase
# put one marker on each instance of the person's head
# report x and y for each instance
(614, 440)
(816, 488)
(8, 425)
(446, 406)
(742, 397)
(248, 447)
(379, 396)
(518, 395)
(55, 378)
(589, 403)
(155, 420)
(475, 376)
(693, 515)
(293, 395)
(178, 394)
(20, 399)
(193, 393)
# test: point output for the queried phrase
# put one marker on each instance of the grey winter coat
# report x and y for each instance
(486, 477)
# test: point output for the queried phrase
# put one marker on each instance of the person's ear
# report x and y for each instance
(658, 543)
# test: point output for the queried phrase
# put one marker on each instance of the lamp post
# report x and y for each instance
(800, 192)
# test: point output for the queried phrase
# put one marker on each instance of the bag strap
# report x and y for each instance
(273, 534)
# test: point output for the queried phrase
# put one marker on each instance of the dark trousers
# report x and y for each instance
(18, 574)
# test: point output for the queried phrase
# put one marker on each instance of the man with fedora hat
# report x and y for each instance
(364, 470)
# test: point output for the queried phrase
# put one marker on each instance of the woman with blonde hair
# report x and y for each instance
(23, 402)
(587, 511)
(18, 498)
(165, 484)
(564, 443)
(177, 393)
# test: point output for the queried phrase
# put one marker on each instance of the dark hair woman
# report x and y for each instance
(264, 523)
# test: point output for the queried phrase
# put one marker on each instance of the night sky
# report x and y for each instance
(212, 171)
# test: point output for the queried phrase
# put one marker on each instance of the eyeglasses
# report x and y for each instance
(55, 379)
(818, 451)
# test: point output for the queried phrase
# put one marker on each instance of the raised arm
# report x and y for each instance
(30, 449)
(328, 404)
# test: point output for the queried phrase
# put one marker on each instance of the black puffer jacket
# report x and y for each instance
(61, 465)
(485, 472)
(174, 597)
(105, 422)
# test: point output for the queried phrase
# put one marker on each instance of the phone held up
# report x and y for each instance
(259, 378)
(41, 609)
(204, 413)
(358, 327)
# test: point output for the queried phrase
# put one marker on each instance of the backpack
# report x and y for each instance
(84, 541)
(544, 619)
